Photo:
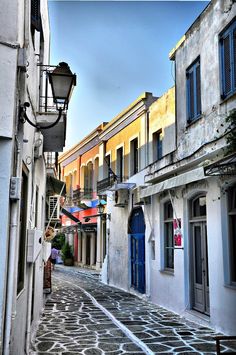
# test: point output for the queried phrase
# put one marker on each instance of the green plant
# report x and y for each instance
(58, 241)
(231, 132)
(66, 252)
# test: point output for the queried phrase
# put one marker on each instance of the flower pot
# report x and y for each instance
(69, 262)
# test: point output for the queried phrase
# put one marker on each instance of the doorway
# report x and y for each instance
(200, 282)
(137, 250)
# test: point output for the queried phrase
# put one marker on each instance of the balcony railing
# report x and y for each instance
(109, 182)
(82, 194)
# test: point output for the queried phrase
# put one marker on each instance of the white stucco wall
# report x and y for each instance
(222, 296)
(167, 288)
(202, 40)
(118, 247)
(9, 21)
(15, 85)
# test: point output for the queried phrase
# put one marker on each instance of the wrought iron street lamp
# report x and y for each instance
(62, 83)
(100, 213)
(100, 208)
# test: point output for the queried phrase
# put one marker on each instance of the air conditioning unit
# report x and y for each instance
(121, 197)
(54, 207)
(38, 145)
(137, 200)
(34, 244)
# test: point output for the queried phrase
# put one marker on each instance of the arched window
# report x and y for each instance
(198, 207)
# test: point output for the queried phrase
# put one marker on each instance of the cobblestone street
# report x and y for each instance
(83, 316)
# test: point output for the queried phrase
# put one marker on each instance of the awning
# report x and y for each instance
(182, 179)
(70, 215)
(56, 186)
(225, 166)
(122, 186)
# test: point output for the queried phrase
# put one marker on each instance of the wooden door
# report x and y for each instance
(200, 268)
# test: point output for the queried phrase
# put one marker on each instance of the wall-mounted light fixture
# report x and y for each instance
(62, 83)
(100, 207)
(100, 213)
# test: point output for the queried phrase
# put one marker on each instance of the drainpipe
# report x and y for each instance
(28, 327)
(30, 275)
(11, 274)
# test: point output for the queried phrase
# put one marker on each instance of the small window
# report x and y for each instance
(228, 60)
(119, 164)
(168, 236)
(193, 91)
(157, 145)
(134, 156)
(199, 207)
(88, 180)
(107, 166)
(232, 232)
(35, 19)
(35, 15)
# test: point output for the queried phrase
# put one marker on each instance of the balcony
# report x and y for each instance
(82, 194)
(105, 184)
(53, 138)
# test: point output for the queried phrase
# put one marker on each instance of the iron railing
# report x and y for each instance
(82, 194)
(109, 182)
(226, 340)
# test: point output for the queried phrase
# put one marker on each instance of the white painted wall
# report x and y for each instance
(167, 289)
(15, 85)
(118, 247)
(202, 40)
(222, 296)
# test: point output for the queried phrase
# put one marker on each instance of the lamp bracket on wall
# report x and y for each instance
(102, 215)
(23, 117)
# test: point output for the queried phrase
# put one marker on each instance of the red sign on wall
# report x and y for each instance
(177, 233)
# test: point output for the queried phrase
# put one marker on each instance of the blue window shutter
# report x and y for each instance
(198, 90)
(227, 69)
(191, 95)
(159, 147)
(234, 57)
(227, 47)
(193, 91)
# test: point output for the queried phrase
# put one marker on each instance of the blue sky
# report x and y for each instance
(118, 49)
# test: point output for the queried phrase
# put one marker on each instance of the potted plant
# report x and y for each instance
(67, 255)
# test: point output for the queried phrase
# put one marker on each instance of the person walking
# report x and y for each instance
(53, 258)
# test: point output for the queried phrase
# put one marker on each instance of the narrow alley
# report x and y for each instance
(84, 316)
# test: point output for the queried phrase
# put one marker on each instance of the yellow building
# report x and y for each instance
(79, 170)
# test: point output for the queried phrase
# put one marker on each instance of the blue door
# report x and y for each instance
(137, 250)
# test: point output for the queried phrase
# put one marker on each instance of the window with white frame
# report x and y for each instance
(193, 91)
(228, 60)
(168, 236)
(232, 232)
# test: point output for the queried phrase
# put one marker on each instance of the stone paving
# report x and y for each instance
(84, 316)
